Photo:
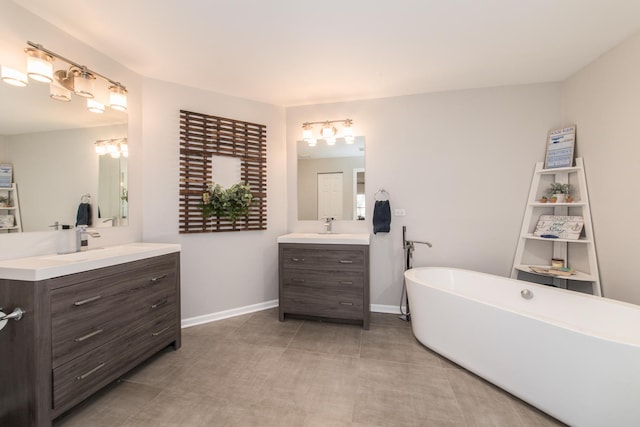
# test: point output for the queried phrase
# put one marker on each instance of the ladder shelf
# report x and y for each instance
(537, 251)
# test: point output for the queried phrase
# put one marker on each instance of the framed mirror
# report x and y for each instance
(51, 147)
(331, 180)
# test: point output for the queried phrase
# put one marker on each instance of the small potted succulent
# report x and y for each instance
(558, 191)
(5, 202)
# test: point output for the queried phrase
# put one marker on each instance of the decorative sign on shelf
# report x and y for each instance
(558, 226)
(560, 148)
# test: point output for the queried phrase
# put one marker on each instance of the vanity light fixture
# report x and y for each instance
(39, 65)
(118, 97)
(95, 106)
(83, 82)
(114, 147)
(328, 132)
(77, 79)
(13, 76)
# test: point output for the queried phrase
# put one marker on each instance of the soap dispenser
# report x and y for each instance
(66, 240)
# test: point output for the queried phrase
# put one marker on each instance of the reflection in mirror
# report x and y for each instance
(51, 145)
(331, 180)
(113, 194)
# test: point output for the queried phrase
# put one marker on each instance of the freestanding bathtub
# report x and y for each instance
(573, 356)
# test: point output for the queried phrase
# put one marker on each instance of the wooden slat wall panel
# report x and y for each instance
(202, 136)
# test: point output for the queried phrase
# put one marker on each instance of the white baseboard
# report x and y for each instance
(390, 309)
(206, 318)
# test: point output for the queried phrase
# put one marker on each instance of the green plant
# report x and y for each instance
(5, 201)
(231, 203)
(559, 188)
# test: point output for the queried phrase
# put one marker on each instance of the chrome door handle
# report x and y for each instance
(88, 300)
(155, 334)
(86, 374)
(345, 261)
(159, 304)
(157, 279)
(16, 314)
(89, 335)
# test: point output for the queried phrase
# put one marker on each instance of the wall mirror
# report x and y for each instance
(331, 180)
(51, 145)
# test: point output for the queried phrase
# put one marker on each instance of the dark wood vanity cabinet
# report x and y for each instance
(325, 281)
(83, 331)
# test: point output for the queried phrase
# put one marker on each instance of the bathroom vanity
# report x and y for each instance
(324, 276)
(89, 317)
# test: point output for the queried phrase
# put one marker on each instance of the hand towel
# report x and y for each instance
(83, 217)
(381, 217)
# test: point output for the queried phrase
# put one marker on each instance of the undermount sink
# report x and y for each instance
(326, 238)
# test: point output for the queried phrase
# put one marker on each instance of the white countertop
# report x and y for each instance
(327, 239)
(48, 266)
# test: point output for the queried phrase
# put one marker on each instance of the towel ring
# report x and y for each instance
(86, 198)
(381, 195)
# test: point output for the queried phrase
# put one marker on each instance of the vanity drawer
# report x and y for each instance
(329, 301)
(323, 278)
(86, 315)
(76, 380)
(328, 259)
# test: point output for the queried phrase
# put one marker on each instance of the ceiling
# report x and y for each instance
(299, 52)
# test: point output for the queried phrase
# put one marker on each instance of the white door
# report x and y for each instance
(330, 195)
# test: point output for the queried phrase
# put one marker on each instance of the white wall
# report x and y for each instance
(603, 100)
(460, 163)
(220, 271)
(16, 27)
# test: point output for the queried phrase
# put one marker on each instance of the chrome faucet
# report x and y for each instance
(82, 242)
(327, 225)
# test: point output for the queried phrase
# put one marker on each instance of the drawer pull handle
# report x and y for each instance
(157, 279)
(298, 280)
(159, 304)
(344, 282)
(86, 337)
(160, 332)
(297, 259)
(345, 261)
(85, 375)
(346, 303)
(88, 300)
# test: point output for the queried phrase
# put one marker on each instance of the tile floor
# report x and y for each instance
(253, 370)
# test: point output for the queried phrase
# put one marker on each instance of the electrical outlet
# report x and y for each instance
(399, 212)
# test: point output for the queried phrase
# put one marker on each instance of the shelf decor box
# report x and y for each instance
(6, 175)
(560, 226)
(7, 221)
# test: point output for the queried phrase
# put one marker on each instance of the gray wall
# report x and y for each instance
(603, 100)
(459, 163)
